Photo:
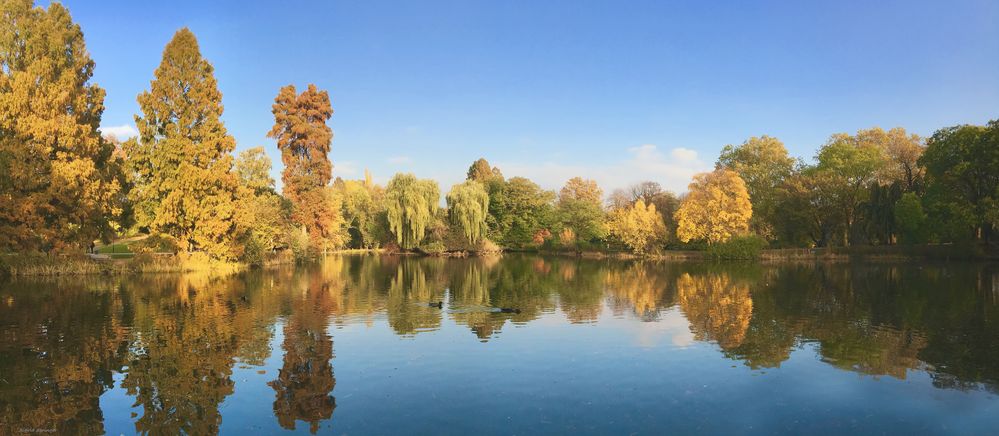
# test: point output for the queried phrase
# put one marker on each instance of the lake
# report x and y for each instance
(353, 346)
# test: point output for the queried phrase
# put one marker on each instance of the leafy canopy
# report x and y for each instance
(716, 208)
(411, 207)
(468, 206)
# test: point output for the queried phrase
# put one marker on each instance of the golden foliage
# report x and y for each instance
(717, 307)
(716, 208)
(182, 163)
(59, 180)
(639, 226)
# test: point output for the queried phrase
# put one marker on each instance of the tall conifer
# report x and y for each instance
(182, 162)
(57, 175)
(304, 140)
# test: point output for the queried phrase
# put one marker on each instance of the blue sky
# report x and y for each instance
(619, 91)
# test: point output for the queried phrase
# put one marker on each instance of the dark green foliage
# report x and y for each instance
(910, 220)
(962, 169)
(745, 247)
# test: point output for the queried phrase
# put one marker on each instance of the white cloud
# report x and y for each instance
(346, 169)
(399, 160)
(122, 132)
(684, 154)
(645, 162)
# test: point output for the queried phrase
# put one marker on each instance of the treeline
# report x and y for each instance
(63, 185)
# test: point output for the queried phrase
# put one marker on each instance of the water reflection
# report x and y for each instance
(305, 380)
(175, 340)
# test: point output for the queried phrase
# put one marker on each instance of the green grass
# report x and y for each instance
(115, 249)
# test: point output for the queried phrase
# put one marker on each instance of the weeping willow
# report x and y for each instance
(411, 205)
(468, 205)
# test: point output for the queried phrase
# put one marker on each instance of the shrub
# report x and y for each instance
(435, 248)
(298, 241)
(254, 251)
(746, 247)
(156, 243)
(487, 247)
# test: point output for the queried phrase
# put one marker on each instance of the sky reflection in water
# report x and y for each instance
(609, 346)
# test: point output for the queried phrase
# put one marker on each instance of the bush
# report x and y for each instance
(254, 251)
(435, 248)
(298, 241)
(156, 243)
(487, 247)
(738, 248)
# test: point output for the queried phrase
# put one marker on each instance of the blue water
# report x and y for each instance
(599, 347)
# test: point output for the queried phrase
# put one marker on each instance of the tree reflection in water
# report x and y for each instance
(305, 381)
(175, 340)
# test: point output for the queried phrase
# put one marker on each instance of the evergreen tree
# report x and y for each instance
(182, 162)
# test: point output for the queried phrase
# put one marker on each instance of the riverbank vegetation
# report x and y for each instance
(178, 184)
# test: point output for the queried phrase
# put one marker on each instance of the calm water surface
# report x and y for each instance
(353, 347)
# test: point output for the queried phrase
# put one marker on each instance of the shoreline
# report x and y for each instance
(13, 265)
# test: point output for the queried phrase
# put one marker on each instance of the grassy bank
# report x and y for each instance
(64, 265)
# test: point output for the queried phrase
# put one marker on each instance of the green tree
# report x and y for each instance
(468, 206)
(850, 165)
(181, 164)
(499, 219)
(962, 170)
(810, 212)
(532, 212)
(304, 139)
(59, 180)
(580, 210)
(910, 219)
(411, 207)
(716, 208)
(363, 211)
(763, 163)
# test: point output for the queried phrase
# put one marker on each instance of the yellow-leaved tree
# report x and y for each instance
(639, 226)
(59, 180)
(181, 163)
(716, 208)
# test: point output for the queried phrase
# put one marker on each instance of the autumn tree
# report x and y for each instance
(480, 171)
(59, 180)
(182, 162)
(262, 216)
(304, 139)
(253, 168)
(468, 206)
(901, 154)
(639, 226)
(578, 188)
(763, 163)
(411, 207)
(716, 208)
